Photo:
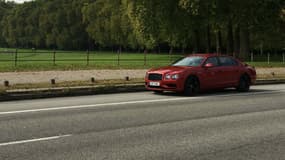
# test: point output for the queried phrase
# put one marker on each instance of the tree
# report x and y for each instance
(51, 24)
(185, 24)
(108, 24)
(5, 7)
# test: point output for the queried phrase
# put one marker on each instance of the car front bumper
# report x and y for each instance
(165, 85)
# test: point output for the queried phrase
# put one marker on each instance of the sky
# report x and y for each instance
(19, 1)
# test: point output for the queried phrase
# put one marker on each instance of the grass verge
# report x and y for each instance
(43, 60)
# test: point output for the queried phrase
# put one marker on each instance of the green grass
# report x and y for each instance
(37, 60)
(266, 64)
(28, 60)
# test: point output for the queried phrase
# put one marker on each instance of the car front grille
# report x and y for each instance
(155, 77)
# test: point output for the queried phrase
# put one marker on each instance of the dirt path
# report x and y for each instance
(83, 75)
(270, 71)
(61, 76)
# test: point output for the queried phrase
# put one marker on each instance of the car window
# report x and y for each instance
(212, 60)
(227, 61)
(189, 61)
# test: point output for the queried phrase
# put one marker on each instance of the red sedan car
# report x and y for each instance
(199, 72)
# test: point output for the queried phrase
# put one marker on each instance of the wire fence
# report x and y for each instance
(17, 57)
(267, 57)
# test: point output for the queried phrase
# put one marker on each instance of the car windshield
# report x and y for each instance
(192, 61)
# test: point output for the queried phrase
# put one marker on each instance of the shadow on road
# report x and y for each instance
(214, 92)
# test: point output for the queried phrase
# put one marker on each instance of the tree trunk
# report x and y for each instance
(197, 41)
(244, 43)
(237, 42)
(170, 53)
(170, 50)
(261, 48)
(183, 50)
(145, 50)
(208, 47)
(230, 39)
(119, 49)
(158, 49)
(219, 42)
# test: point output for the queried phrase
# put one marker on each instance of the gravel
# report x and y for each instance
(83, 75)
(62, 76)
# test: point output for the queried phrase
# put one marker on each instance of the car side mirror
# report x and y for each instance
(209, 65)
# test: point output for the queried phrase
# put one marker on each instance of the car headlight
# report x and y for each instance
(168, 76)
(175, 76)
(171, 76)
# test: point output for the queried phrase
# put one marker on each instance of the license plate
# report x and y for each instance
(155, 84)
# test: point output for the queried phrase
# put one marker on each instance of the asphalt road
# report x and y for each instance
(222, 125)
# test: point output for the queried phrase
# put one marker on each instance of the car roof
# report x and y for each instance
(206, 55)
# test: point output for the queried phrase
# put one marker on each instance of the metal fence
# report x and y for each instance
(267, 57)
(16, 57)
(54, 57)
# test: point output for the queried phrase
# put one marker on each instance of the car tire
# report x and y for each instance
(244, 84)
(191, 86)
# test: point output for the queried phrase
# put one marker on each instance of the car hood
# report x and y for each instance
(168, 69)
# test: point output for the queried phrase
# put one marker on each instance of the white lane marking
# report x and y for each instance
(97, 105)
(34, 140)
(134, 102)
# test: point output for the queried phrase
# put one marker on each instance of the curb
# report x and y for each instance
(269, 81)
(26, 94)
(69, 92)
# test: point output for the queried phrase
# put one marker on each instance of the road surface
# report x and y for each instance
(219, 125)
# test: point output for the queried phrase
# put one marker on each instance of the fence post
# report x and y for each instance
(6, 83)
(145, 51)
(268, 58)
(118, 58)
(283, 55)
(88, 52)
(16, 57)
(54, 57)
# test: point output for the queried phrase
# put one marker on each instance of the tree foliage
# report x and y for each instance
(46, 24)
(108, 24)
(4, 9)
(225, 26)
